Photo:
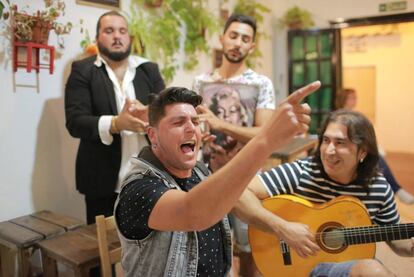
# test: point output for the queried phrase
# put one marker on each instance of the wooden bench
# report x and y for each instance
(76, 249)
(18, 238)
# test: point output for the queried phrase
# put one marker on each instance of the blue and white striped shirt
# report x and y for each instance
(305, 178)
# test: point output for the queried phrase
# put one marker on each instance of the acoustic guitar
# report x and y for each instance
(342, 228)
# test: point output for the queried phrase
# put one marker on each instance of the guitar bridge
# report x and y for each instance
(285, 249)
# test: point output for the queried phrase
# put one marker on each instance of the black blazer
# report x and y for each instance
(89, 94)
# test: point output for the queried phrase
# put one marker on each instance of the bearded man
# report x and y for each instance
(105, 105)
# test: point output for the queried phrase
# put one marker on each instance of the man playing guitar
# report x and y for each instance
(345, 164)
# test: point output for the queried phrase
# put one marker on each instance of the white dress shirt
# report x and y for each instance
(131, 142)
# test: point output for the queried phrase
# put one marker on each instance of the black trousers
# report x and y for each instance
(97, 206)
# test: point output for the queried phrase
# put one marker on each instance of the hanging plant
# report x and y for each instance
(36, 26)
(172, 34)
(296, 18)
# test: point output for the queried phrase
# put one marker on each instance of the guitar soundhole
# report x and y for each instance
(331, 238)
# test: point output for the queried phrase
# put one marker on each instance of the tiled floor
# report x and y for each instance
(402, 165)
(400, 266)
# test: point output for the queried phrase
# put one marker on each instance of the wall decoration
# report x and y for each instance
(109, 4)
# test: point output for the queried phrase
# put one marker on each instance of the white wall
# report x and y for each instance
(394, 107)
(37, 154)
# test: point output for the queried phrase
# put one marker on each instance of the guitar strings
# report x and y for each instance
(355, 232)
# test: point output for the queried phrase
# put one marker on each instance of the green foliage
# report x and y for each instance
(23, 22)
(3, 5)
(167, 30)
(163, 29)
(257, 11)
(297, 18)
(1, 9)
(251, 8)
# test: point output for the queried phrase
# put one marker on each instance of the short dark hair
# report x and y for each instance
(361, 132)
(241, 18)
(98, 24)
(169, 96)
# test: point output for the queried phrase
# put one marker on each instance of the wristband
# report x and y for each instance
(113, 125)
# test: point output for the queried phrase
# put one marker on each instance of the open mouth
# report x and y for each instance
(188, 147)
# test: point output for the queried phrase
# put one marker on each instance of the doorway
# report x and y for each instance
(362, 79)
(378, 51)
(377, 61)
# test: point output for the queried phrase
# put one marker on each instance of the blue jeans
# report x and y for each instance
(332, 269)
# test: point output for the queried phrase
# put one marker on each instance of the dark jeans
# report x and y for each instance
(97, 206)
(385, 169)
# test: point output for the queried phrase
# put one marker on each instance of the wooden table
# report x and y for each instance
(18, 238)
(76, 249)
(291, 151)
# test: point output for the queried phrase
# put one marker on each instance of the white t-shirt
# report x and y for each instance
(234, 100)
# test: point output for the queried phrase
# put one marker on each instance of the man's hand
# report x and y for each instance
(404, 248)
(291, 118)
(207, 115)
(299, 237)
(132, 117)
(138, 110)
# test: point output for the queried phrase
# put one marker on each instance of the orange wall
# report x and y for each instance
(390, 49)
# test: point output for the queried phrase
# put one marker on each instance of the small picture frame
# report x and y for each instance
(108, 4)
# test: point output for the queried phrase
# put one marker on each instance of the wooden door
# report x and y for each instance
(362, 79)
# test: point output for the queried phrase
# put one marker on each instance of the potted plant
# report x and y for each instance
(174, 28)
(35, 27)
(296, 18)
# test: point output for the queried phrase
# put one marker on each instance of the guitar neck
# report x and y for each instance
(375, 233)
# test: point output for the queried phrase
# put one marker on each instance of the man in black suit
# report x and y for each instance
(105, 104)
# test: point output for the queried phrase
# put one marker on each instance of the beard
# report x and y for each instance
(114, 56)
(232, 59)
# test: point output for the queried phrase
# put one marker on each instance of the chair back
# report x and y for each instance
(108, 241)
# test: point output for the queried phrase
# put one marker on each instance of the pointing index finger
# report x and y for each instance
(297, 96)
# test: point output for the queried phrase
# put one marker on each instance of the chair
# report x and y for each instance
(109, 256)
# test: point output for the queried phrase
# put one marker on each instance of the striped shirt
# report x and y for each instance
(306, 179)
